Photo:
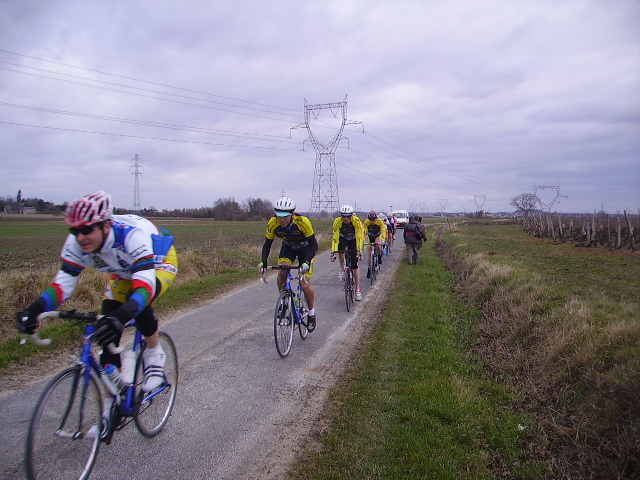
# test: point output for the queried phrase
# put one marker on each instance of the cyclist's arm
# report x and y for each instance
(139, 247)
(312, 250)
(266, 248)
(383, 231)
(359, 228)
(336, 234)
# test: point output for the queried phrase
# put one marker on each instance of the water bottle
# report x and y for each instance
(113, 375)
(128, 367)
(384, 250)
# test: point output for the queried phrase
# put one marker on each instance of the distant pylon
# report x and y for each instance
(324, 196)
(136, 167)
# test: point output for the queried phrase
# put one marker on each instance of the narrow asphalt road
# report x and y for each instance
(242, 412)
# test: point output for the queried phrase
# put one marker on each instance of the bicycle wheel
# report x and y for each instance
(348, 288)
(374, 268)
(155, 407)
(302, 326)
(283, 323)
(56, 445)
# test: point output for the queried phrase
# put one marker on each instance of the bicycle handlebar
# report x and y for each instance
(73, 315)
(287, 268)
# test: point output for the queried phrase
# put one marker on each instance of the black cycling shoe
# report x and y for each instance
(368, 273)
(311, 322)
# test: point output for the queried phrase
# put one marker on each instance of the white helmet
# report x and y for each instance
(346, 210)
(284, 206)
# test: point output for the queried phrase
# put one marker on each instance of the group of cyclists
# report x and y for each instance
(299, 242)
(142, 262)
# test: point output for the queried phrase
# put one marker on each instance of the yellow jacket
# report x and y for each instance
(375, 227)
(344, 229)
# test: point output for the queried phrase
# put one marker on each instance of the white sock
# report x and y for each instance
(312, 311)
(154, 350)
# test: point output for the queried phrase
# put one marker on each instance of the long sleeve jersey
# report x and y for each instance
(349, 231)
(128, 252)
(378, 228)
(298, 235)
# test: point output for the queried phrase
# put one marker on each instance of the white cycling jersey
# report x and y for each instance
(128, 252)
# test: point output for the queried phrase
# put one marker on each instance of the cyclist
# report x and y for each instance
(392, 224)
(142, 262)
(377, 231)
(298, 241)
(348, 233)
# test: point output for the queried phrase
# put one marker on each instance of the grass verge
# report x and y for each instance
(414, 404)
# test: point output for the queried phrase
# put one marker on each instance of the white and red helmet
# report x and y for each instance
(89, 209)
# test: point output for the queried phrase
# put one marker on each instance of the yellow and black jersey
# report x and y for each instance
(353, 230)
(297, 231)
(298, 236)
(377, 228)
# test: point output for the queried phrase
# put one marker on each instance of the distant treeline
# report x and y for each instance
(222, 209)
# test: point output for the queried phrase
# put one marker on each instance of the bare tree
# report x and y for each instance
(526, 202)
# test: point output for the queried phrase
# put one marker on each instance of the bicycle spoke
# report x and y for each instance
(57, 446)
(155, 407)
(283, 324)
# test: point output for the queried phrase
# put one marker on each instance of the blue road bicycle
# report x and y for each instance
(291, 311)
(349, 278)
(67, 425)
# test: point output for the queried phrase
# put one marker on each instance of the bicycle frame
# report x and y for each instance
(127, 405)
(296, 294)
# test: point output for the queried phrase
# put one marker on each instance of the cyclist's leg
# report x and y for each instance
(309, 294)
(378, 242)
(286, 257)
(165, 275)
(154, 355)
(355, 267)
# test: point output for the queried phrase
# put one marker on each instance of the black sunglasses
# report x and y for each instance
(347, 215)
(86, 230)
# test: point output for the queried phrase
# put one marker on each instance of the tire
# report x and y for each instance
(374, 269)
(154, 408)
(302, 326)
(56, 447)
(283, 327)
(348, 288)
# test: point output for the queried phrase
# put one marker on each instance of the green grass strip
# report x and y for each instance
(415, 405)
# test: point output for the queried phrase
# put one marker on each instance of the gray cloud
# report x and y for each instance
(456, 98)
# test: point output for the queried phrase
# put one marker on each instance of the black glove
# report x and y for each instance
(108, 330)
(27, 320)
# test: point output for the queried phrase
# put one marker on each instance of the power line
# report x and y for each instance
(148, 138)
(272, 138)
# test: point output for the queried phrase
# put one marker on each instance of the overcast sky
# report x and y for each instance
(463, 104)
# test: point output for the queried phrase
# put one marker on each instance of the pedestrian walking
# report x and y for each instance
(413, 234)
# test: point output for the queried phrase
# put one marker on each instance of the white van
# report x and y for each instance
(402, 217)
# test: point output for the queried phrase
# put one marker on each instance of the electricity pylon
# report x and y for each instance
(324, 196)
(137, 206)
(548, 205)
